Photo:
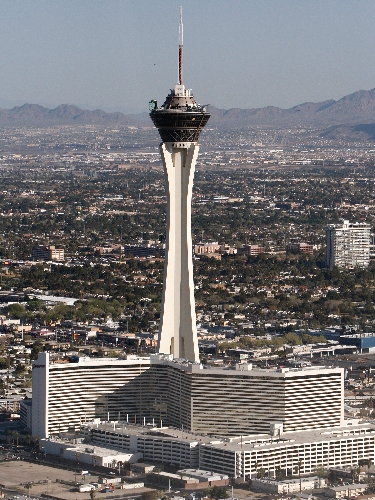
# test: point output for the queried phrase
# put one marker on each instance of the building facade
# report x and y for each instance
(157, 445)
(208, 401)
(309, 450)
(244, 456)
(348, 245)
(233, 402)
(47, 253)
(252, 250)
(67, 394)
(297, 248)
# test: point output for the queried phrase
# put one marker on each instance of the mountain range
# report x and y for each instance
(354, 109)
(65, 114)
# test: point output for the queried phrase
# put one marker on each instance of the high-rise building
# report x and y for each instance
(179, 120)
(183, 395)
(348, 244)
(232, 421)
(245, 400)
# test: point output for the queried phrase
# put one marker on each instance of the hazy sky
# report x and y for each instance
(119, 54)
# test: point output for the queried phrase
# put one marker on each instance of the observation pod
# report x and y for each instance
(179, 120)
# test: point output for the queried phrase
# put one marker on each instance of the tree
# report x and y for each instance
(216, 492)
(36, 349)
(280, 474)
(157, 471)
(298, 469)
(292, 338)
(354, 472)
(321, 472)
(366, 463)
(32, 441)
(261, 473)
(29, 485)
(20, 370)
(15, 311)
(151, 495)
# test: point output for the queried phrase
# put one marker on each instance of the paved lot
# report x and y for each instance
(43, 477)
(15, 472)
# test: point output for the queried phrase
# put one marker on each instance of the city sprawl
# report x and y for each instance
(83, 215)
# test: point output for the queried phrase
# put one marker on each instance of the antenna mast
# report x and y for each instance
(180, 45)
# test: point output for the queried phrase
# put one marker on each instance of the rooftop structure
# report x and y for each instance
(96, 455)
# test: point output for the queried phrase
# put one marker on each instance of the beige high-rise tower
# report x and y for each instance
(179, 121)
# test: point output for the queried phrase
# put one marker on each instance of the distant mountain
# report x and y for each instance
(357, 108)
(353, 109)
(353, 133)
(65, 114)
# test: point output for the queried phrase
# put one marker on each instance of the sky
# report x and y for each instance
(120, 54)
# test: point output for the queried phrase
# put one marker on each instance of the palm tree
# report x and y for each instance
(157, 470)
(369, 464)
(298, 469)
(16, 436)
(261, 473)
(365, 463)
(29, 486)
(355, 473)
(321, 472)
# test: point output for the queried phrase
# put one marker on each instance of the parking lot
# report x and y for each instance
(15, 474)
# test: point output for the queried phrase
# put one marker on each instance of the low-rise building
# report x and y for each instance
(47, 253)
(345, 490)
(252, 250)
(286, 487)
(297, 248)
(92, 455)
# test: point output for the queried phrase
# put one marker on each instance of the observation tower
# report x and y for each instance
(179, 120)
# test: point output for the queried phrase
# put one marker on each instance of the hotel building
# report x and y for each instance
(185, 395)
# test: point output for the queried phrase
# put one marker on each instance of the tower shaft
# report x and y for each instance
(178, 333)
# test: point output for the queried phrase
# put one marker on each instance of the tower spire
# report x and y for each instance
(180, 46)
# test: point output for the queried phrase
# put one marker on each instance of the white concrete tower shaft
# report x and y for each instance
(178, 332)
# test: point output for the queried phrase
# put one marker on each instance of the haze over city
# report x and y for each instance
(116, 55)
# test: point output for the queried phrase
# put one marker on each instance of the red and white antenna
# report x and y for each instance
(180, 45)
